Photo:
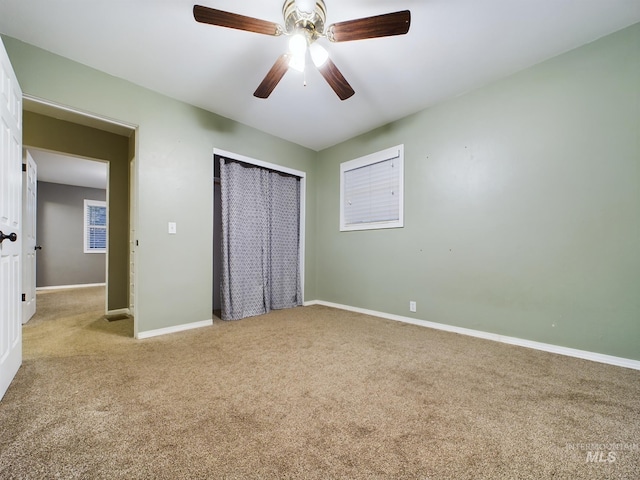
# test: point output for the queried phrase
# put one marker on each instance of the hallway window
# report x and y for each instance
(95, 226)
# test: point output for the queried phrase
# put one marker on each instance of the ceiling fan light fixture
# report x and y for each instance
(298, 49)
(319, 54)
(304, 21)
(298, 44)
(297, 62)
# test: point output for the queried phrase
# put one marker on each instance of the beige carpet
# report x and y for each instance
(310, 393)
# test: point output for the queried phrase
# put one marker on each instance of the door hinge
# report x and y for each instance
(24, 297)
(24, 167)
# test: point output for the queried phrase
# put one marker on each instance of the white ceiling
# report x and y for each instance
(67, 170)
(453, 46)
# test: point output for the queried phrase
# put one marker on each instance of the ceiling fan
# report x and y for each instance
(304, 22)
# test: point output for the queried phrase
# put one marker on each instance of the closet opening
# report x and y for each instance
(258, 236)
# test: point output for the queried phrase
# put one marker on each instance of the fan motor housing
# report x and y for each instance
(312, 24)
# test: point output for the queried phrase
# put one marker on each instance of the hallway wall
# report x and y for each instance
(48, 133)
(60, 225)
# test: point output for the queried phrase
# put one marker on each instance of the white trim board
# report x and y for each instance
(64, 287)
(177, 328)
(119, 127)
(259, 163)
(119, 311)
(546, 347)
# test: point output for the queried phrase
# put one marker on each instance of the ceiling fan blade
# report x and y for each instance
(336, 80)
(273, 77)
(385, 25)
(233, 20)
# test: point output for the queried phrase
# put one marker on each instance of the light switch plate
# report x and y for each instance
(172, 228)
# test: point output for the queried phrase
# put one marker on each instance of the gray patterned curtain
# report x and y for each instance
(260, 240)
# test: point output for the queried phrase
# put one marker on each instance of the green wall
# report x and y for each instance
(522, 200)
(174, 176)
(50, 133)
(522, 208)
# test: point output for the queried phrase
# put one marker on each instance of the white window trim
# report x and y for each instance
(87, 204)
(396, 152)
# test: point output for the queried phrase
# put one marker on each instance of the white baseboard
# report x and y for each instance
(547, 347)
(119, 311)
(174, 329)
(63, 287)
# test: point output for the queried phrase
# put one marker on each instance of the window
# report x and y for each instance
(95, 226)
(372, 191)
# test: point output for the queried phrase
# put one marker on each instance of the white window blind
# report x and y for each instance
(372, 191)
(95, 226)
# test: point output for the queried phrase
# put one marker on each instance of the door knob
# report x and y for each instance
(37, 247)
(11, 237)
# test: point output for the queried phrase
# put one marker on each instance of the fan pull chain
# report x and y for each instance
(304, 78)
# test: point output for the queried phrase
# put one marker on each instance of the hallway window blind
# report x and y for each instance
(372, 191)
(95, 226)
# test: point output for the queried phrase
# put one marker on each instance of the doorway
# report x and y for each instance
(54, 128)
(71, 227)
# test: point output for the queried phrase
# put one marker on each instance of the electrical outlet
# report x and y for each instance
(412, 306)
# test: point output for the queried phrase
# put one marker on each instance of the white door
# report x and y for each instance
(10, 213)
(29, 209)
